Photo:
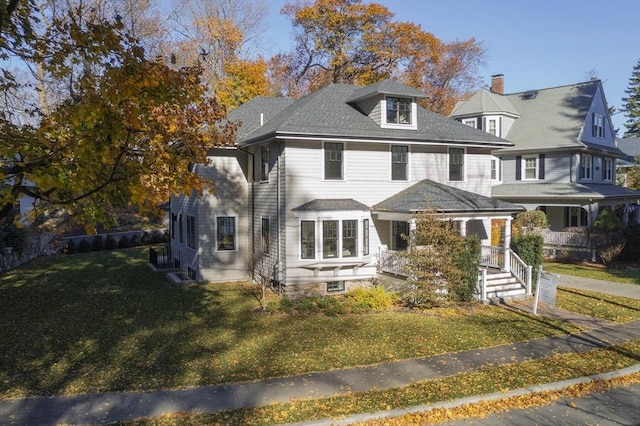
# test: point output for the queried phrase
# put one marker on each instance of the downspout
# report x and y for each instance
(279, 277)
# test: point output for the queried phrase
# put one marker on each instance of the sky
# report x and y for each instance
(535, 44)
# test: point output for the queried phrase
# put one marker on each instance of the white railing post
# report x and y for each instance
(507, 260)
(528, 279)
(483, 284)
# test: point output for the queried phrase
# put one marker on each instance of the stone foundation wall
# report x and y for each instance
(300, 291)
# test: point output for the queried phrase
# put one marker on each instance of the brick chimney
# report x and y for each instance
(497, 84)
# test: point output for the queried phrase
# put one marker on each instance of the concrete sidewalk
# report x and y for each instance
(114, 407)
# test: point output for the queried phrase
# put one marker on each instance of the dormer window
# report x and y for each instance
(399, 111)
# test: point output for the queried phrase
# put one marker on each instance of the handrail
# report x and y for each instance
(521, 271)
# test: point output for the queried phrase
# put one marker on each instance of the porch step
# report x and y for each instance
(503, 285)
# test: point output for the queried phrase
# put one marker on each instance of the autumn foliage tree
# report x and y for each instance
(348, 41)
(125, 134)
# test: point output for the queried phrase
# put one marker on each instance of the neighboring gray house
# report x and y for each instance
(318, 189)
(631, 147)
(564, 153)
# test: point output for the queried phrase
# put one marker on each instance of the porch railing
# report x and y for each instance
(392, 262)
(492, 257)
(521, 271)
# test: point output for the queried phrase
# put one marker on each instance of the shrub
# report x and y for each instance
(157, 237)
(372, 299)
(468, 263)
(98, 243)
(631, 249)
(146, 239)
(110, 243)
(286, 305)
(531, 220)
(84, 246)
(124, 242)
(607, 221)
(135, 240)
(529, 248)
(611, 252)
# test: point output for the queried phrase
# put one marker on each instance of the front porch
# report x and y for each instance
(503, 275)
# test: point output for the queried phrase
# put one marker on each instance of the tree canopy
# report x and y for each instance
(348, 41)
(631, 107)
(123, 129)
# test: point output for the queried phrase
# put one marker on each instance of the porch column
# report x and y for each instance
(463, 227)
(507, 245)
(412, 234)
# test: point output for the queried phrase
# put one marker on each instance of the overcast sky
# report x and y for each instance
(534, 43)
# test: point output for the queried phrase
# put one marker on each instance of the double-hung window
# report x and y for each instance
(308, 239)
(597, 128)
(492, 126)
(456, 164)
(191, 231)
(607, 169)
(365, 237)
(349, 238)
(226, 233)
(264, 163)
(398, 110)
(586, 166)
(399, 162)
(530, 168)
(266, 235)
(333, 160)
(495, 168)
(180, 229)
(329, 239)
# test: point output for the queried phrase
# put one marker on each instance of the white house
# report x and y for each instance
(317, 188)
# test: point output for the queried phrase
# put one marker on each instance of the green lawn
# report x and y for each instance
(621, 273)
(104, 322)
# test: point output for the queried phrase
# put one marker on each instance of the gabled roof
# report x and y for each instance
(427, 194)
(484, 102)
(331, 113)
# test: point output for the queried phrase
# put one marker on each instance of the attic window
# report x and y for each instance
(598, 126)
(399, 110)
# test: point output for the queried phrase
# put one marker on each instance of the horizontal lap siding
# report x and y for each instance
(228, 197)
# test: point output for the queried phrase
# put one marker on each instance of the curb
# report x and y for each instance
(554, 386)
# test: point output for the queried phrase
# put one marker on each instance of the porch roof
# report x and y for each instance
(561, 191)
(427, 194)
(334, 204)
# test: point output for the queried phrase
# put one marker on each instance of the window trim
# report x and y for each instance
(536, 170)
(406, 162)
(413, 116)
(264, 165)
(354, 236)
(335, 239)
(324, 161)
(180, 229)
(335, 286)
(463, 166)
(586, 166)
(313, 240)
(265, 234)
(497, 161)
(191, 231)
(597, 125)
(607, 161)
(365, 237)
(235, 233)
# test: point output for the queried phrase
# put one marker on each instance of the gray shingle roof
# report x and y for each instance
(567, 190)
(336, 204)
(327, 113)
(248, 114)
(386, 87)
(484, 102)
(551, 118)
(428, 194)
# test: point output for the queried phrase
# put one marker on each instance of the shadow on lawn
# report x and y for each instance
(94, 322)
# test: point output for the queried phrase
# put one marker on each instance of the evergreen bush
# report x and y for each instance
(70, 248)
(98, 243)
(135, 240)
(84, 246)
(146, 239)
(124, 242)
(468, 263)
(529, 247)
(110, 243)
